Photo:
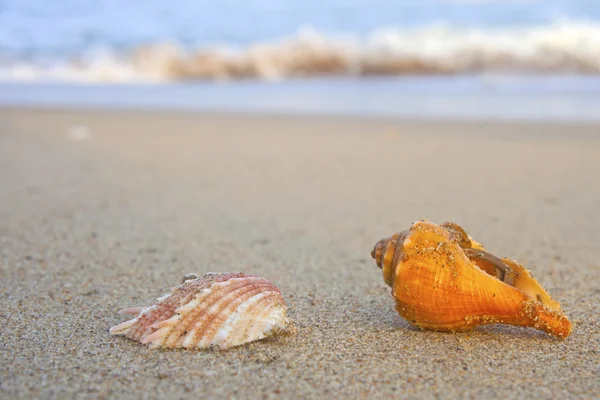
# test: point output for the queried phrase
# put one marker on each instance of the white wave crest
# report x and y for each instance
(564, 47)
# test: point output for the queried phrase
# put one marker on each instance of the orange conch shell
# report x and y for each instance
(443, 280)
(217, 310)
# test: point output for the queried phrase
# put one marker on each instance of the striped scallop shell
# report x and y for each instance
(219, 310)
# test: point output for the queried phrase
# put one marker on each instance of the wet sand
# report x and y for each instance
(101, 210)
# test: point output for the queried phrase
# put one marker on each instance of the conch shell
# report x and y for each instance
(443, 280)
(217, 310)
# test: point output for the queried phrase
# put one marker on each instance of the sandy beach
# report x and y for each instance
(101, 210)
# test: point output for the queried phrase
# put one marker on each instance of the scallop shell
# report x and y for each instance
(443, 280)
(217, 310)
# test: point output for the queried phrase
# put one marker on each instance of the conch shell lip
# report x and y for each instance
(503, 271)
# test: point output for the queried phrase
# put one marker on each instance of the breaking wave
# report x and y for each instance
(568, 47)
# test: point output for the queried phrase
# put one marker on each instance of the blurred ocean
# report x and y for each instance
(514, 48)
(156, 40)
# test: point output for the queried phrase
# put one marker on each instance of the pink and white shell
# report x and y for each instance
(217, 310)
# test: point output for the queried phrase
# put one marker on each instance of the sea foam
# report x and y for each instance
(563, 47)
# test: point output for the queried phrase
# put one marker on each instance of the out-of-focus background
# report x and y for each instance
(446, 58)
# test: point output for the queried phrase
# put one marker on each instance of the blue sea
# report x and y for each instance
(520, 59)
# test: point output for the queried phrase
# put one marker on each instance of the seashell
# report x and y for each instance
(505, 269)
(444, 280)
(217, 310)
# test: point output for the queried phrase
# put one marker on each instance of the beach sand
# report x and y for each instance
(100, 210)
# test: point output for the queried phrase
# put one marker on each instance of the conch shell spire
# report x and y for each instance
(443, 280)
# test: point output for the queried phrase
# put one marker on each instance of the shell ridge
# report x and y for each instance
(266, 318)
(170, 314)
(165, 309)
(131, 311)
(214, 321)
(232, 321)
(198, 321)
(194, 319)
(123, 327)
(158, 311)
(193, 303)
(242, 325)
(157, 337)
(257, 327)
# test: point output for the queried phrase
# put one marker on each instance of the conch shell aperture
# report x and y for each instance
(217, 310)
(443, 280)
